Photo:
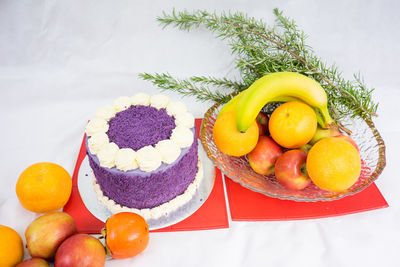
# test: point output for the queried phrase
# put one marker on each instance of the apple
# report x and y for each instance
(46, 233)
(349, 139)
(322, 133)
(34, 262)
(290, 170)
(262, 123)
(263, 157)
(81, 250)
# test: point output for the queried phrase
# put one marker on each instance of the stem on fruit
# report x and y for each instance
(303, 170)
(104, 236)
(306, 148)
(344, 129)
(103, 233)
(326, 121)
(326, 117)
(320, 119)
(271, 170)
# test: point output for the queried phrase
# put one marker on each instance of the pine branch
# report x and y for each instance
(260, 50)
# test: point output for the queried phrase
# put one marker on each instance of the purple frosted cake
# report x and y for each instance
(143, 153)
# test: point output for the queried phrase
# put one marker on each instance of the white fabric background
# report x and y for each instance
(60, 60)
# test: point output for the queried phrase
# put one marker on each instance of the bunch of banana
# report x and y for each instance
(279, 87)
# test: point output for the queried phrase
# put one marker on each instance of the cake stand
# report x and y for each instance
(89, 197)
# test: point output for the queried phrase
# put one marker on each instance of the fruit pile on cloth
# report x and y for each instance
(300, 142)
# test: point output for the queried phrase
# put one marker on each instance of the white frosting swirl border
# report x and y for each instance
(182, 135)
(159, 211)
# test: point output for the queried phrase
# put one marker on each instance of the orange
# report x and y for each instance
(293, 124)
(11, 248)
(333, 164)
(231, 141)
(44, 187)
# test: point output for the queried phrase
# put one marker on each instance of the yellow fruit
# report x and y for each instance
(281, 84)
(44, 187)
(229, 140)
(11, 248)
(293, 124)
(333, 164)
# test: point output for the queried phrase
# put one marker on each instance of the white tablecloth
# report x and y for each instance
(61, 60)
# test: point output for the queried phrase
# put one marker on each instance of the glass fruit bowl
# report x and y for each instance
(364, 133)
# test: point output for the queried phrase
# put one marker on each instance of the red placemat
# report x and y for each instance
(247, 205)
(211, 215)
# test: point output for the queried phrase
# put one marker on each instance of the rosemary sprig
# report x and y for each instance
(191, 87)
(260, 50)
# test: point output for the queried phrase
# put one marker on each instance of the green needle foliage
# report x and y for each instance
(260, 50)
(192, 87)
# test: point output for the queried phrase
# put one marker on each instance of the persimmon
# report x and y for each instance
(126, 235)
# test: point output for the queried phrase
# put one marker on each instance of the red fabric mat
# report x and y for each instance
(247, 205)
(211, 215)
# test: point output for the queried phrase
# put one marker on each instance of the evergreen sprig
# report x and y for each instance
(259, 50)
(191, 86)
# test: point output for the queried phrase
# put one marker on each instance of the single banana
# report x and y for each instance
(278, 84)
(231, 105)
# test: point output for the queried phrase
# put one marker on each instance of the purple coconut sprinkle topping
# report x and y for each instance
(135, 128)
(140, 126)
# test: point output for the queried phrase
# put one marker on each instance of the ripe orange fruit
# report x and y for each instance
(11, 248)
(126, 234)
(333, 164)
(44, 187)
(293, 124)
(231, 141)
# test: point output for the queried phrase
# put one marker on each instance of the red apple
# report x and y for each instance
(290, 170)
(263, 157)
(348, 139)
(46, 233)
(262, 123)
(80, 250)
(34, 262)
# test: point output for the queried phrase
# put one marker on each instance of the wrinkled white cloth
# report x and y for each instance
(62, 60)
